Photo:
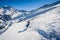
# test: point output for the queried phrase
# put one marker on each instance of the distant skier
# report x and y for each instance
(25, 26)
(28, 23)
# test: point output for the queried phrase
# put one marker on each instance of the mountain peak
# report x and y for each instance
(6, 7)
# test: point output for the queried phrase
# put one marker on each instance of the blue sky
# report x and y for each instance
(25, 4)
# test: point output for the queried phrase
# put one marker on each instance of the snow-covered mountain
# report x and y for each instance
(9, 16)
(40, 24)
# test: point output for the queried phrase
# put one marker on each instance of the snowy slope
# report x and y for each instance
(12, 33)
(40, 24)
(49, 22)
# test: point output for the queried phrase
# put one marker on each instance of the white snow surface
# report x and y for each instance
(47, 22)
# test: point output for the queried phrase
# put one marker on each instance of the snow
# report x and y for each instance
(45, 26)
(1, 10)
(12, 33)
(16, 14)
